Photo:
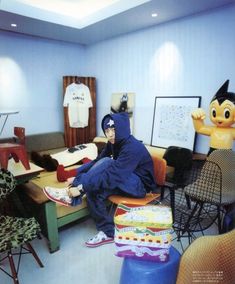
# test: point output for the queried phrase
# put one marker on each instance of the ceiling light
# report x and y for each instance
(154, 15)
(13, 25)
(73, 13)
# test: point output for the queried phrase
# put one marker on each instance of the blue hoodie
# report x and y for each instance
(129, 155)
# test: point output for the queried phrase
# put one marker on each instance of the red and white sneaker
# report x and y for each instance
(98, 240)
(58, 195)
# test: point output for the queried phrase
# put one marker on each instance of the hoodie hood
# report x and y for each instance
(122, 125)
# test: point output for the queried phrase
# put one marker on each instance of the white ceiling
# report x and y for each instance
(91, 21)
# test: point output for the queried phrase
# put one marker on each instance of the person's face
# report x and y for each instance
(110, 134)
(222, 115)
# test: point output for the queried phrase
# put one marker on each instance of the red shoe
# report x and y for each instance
(63, 175)
(85, 160)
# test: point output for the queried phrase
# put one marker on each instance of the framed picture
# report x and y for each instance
(124, 102)
(172, 122)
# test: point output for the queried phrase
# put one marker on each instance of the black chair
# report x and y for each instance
(226, 161)
(197, 205)
(15, 232)
(181, 160)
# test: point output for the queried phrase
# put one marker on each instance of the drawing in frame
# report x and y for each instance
(172, 122)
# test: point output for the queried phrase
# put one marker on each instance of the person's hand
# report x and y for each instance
(74, 192)
(198, 114)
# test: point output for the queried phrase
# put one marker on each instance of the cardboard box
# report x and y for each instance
(143, 231)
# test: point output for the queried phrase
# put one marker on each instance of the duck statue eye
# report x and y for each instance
(226, 113)
(213, 112)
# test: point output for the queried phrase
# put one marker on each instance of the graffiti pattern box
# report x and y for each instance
(143, 232)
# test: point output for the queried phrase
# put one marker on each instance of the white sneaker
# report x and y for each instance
(58, 195)
(98, 240)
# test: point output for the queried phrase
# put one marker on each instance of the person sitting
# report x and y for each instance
(124, 167)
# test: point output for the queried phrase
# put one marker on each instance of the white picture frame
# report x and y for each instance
(172, 122)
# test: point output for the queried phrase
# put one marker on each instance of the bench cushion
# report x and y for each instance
(44, 141)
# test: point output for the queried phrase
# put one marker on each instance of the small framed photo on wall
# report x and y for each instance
(124, 102)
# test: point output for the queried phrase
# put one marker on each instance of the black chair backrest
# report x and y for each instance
(178, 157)
(226, 161)
(181, 159)
(207, 185)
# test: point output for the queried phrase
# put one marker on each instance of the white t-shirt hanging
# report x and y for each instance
(78, 100)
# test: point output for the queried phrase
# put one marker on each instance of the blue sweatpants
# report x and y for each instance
(96, 195)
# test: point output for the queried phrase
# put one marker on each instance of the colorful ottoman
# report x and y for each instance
(143, 232)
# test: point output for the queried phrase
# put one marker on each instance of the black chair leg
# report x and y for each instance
(188, 201)
(162, 193)
(172, 197)
(13, 269)
(219, 221)
(31, 249)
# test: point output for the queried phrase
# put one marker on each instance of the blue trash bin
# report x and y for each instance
(136, 271)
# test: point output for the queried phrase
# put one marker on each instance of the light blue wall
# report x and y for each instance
(31, 71)
(189, 57)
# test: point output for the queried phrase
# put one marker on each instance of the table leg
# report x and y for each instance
(51, 226)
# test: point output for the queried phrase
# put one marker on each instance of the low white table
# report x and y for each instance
(20, 173)
(22, 176)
